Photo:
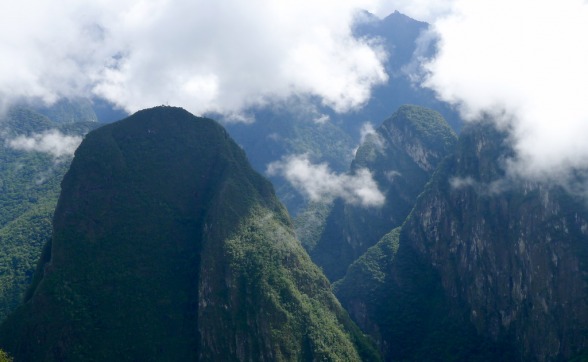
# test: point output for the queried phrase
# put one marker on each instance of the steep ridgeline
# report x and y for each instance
(29, 188)
(167, 246)
(308, 125)
(402, 156)
(482, 269)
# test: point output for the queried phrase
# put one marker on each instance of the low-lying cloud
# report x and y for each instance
(368, 132)
(319, 183)
(524, 63)
(206, 56)
(51, 142)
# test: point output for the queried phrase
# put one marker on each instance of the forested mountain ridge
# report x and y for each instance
(29, 188)
(484, 267)
(402, 155)
(168, 246)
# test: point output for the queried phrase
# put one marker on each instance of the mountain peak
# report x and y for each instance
(168, 246)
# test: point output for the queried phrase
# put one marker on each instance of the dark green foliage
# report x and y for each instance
(401, 156)
(5, 357)
(302, 319)
(395, 296)
(29, 188)
(477, 271)
(168, 246)
(21, 242)
(310, 224)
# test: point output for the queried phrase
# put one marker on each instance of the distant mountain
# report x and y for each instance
(482, 269)
(306, 126)
(168, 246)
(69, 110)
(76, 109)
(284, 129)
(400, 38)
(402, 155)
(29, 188)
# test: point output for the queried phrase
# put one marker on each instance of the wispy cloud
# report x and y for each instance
(319, 183)
(484, 188)
(368, 132)
(322, 119)
(51, 142)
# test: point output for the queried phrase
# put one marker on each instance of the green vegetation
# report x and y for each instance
(168, 246)
(310, 223)
(405, 309)
(462, 278)
(402, 156)
(271, 270)
(29, 188)
(431, 127)
(21, 242)
(5, 357)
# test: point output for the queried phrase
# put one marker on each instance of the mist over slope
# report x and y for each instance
(35, 153)
(401, 154)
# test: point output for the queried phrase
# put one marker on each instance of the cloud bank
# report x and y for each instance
(205, 56)
(51, 142)
(525, 64)
(319, 183)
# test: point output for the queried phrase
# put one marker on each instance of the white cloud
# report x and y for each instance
(462, 182)
(202, 55)
(322, 119)
(368, 131)
(484, 188)
(391, 175)
(525, 63)
(319, 183)
(52, 142)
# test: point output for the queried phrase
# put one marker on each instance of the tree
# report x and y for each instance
(5, 357)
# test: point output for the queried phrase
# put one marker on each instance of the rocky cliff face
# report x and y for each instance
(402, 156)
(168, 246)
(513, 252)
(506, 260)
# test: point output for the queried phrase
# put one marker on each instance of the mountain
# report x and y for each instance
(68, 110)
(402, 155)
(29, 188)
(400, 37)
(306, 126)
(168, 246)
(484, 267)
(292, 128)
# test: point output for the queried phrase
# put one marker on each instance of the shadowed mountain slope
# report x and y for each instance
(168, 246)
(484, 268)
(402, 155)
